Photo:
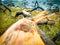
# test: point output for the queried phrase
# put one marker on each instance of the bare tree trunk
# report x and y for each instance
(6, 7)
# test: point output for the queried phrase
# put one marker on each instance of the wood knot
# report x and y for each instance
(23, 27)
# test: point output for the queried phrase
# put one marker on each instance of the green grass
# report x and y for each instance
(7, 19)
(51, 30)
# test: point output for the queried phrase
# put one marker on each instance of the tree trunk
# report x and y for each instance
(6, 7)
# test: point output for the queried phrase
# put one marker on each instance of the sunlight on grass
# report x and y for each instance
(6, 19)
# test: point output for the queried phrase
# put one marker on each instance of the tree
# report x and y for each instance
(9, 2)
(6, 7)
(55, 8)
(0, 0)
(25, 3)
(1, 5)
(54, 1)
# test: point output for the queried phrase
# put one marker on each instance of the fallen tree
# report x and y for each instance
(24, 13)
(6, 7)
(46, 21)
(40, 21)
(26, 32)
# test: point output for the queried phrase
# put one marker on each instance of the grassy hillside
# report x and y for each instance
(6, 19)
(51, 30)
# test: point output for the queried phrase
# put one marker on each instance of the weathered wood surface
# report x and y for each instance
(45, 21)
(26, 32)
(45, 38)
(23, 32)
(24, 13)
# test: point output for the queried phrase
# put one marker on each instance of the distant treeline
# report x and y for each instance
(26, 3)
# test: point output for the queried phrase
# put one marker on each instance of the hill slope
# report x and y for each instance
(6, 20)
